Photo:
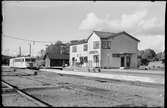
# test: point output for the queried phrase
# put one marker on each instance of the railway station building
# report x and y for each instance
(105, 50)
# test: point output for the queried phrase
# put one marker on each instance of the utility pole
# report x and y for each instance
(19, 51)
(30, 50)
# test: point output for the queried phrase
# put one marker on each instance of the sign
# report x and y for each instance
(93, 52)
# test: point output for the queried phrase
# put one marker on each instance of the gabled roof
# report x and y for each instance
(123, 32)
(102, 34)
(107, 35)
(76, 42)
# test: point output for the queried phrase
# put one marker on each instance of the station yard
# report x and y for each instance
(64, 90)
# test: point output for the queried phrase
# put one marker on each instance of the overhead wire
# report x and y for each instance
(27, 39)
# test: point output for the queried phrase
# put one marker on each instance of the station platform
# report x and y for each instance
(147, 79)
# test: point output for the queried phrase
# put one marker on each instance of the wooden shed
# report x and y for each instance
(55, 60)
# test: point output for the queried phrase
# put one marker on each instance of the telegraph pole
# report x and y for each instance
(30, 50)
(20, 51)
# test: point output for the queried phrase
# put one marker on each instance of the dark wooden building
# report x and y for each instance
(56, 60)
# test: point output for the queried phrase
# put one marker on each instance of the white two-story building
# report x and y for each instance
(106, 50)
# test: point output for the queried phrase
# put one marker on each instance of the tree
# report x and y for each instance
(59, 48)
(159, 56)
(59, 42)
(163, 57)
(5, 59)
(145, 56)
(148, 54)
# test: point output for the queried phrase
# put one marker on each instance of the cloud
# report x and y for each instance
(90, 22)
(150, 31)
(157, 43)
(129, 21)
(136, 22)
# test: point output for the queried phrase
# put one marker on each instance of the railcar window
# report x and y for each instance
(18, 60)
(21, 60)
(27, 60)
(30, 60)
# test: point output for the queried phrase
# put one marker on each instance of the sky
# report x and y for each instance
(73, 20)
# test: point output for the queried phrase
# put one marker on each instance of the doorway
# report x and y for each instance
(122, 61)
(96, 60)
(128, 61)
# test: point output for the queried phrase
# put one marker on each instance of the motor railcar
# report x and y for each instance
(22, 62)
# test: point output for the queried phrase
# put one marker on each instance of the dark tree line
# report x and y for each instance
(5, 59)
(59, 48)
(148, 55)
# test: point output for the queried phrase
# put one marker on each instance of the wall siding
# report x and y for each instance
(93, 38)
(80, 52)
(119, 44)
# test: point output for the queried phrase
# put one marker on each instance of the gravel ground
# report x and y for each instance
(63, 90)
(15, 99)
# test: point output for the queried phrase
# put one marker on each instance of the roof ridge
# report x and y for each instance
(102, 31)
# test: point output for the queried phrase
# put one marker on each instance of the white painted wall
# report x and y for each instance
(94, 37)
(80, 52)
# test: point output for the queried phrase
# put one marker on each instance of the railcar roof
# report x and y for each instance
(21, 57)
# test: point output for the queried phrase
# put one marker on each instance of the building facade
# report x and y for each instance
(105, 50)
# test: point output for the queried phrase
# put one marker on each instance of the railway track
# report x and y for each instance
(83, 88)
(28, 96)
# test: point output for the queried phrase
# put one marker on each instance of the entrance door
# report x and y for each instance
(96, 60)
(128, 61)
(122, 61)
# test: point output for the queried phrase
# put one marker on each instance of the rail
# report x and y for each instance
(29, 96)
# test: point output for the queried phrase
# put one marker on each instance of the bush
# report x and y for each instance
(144, 62)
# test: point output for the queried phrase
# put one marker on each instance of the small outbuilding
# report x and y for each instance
(55, 60)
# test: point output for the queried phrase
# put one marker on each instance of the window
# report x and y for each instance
(96, 58)
(27, 60)
(74, 49)
(85, 47)
(30, 59)
(115, 55)
(85, 59)
(96, 45)
(106, 44)
(81, 60)
(73, 59)
(18, 60)
(22, 60)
